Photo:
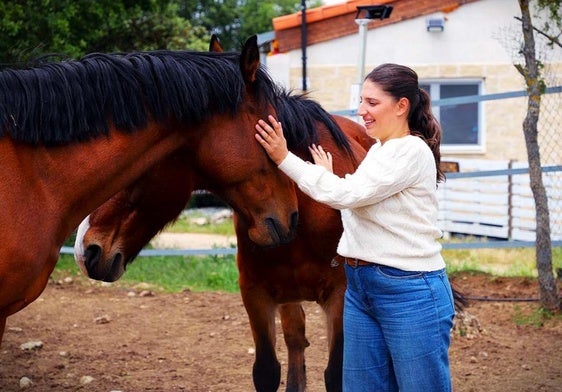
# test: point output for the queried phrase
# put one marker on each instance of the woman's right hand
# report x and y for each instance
(270, 136)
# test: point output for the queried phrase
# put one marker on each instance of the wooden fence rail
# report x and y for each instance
(494, 199)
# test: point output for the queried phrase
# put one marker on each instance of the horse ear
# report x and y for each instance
(215, 45)
(250, 59)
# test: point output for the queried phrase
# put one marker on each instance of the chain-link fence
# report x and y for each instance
(550, 145)
(493, 198)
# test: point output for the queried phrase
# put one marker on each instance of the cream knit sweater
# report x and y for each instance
(388, 206)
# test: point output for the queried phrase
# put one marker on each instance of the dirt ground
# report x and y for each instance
(104, 338)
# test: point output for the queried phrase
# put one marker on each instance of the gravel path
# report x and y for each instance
(192, 241)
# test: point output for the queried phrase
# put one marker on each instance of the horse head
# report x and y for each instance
(222, 154)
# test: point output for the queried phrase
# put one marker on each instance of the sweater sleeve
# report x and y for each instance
(385, 171)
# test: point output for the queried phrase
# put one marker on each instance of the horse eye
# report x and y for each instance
(133, 197)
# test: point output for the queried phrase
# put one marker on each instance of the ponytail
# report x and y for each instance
(422, 123)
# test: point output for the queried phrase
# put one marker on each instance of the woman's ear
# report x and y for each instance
(402, 106)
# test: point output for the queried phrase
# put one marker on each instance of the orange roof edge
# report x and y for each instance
(321, 13)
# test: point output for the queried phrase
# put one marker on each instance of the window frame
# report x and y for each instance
(435, 94)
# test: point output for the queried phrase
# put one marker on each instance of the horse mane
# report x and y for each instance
(301, 116)
(77, 100)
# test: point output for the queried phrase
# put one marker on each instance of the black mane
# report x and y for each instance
(301, 116)
(58, 103)
(77, 100)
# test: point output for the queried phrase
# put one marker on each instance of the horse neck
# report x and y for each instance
(70, 181)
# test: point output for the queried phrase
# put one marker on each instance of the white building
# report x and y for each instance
(472, 54)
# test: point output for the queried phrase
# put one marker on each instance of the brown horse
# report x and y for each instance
(270, 278)
(74, 133)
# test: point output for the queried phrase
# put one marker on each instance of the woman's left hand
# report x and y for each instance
(270, 136)
(321, 157)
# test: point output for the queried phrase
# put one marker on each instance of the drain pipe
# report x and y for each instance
(303, 44)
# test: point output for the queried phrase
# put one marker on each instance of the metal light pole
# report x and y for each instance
(362, 23)
(303, 44)
(369, 12)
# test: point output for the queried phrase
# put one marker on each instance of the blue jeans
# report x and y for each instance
(397, 327)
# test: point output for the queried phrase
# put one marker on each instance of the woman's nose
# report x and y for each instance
(360, 110)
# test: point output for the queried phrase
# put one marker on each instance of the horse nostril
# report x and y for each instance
(92, 256)
(273, 227)
(117, 261)
(294, 222)
(276, 231)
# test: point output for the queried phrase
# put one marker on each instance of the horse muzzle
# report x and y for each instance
(97, 267)
(273, 233)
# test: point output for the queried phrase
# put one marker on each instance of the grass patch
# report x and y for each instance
(500, 262)
(220, 273)
(177, 273)
(535, 317)
(187, 223)
(170, 273)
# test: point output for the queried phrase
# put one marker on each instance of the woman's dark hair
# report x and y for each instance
(402, 82)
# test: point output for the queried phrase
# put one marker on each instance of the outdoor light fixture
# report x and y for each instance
(364, 15)
(435, 23)
(374, 11)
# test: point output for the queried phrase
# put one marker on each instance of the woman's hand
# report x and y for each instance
(270, 136)
(321, 157)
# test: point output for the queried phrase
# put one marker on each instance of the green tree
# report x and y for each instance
(257, 15)
(236, 20)
(30, 28)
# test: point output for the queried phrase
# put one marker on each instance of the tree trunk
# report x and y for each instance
(548, 289)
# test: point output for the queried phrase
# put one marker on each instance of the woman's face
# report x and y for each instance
(383, 116)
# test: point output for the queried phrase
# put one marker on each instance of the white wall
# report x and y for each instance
(469, 37)
(479, 43)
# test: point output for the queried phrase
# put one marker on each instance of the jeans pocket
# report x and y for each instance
(447, 286)
(395, 273)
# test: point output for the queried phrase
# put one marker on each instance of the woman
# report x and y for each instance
(398, 310)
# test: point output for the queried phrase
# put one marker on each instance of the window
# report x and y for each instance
(460, 122)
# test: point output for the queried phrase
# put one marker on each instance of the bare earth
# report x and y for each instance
(100, 338)
(192, 241)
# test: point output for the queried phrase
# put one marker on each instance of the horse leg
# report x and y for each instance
(333, 308)
(2, 327)
(293, 323)
(261, 313)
